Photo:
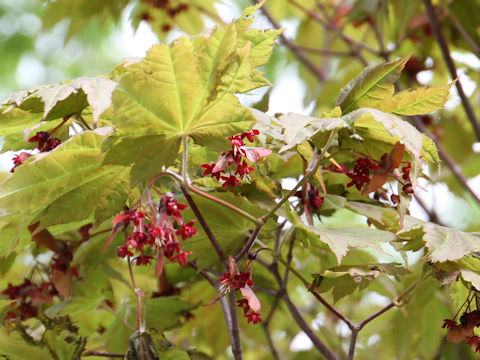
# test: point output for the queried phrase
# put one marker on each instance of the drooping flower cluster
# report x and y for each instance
(241, 280)
(231, 167)
(369, 175)
(154, 229)
(27, 296)
(463, 330)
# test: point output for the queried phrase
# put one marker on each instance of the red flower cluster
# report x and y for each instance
(234, 160)
(361, 173)
(467, 322)
(312, 196)
(242, 280)
(45, 142)
(251, 315)
(27, 296)
(155, 229)
(369, 175)
(19, 160)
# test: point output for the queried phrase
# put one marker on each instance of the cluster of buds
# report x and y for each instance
(231, 167)
(154, 228)
(45, 144)
(28, 296)
(463, 330)
(241, 280)
(369, 175)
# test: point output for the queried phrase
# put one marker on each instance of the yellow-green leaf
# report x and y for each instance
(371, 87)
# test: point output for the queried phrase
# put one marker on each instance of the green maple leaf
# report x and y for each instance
(184, 89)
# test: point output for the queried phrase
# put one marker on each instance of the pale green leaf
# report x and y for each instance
(183, 89)
(15, 348)
(372, 86)
(417, 102)
(448, 244)
(49, 176)
(340, 240)
(12, 124)
(299, 128)
(68, 98)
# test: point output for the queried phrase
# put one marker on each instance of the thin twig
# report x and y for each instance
(437, 31)
(247, 246)
(293, 47)
(461, 30)
(331, 27)
(325, 52)
(205, 195)
(204, 225)
(454, 167)
(102, 354)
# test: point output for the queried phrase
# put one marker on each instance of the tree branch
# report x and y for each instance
(454, 167)
(204, 226)
(437, 31)
(293, 47)
(247, 246)
(236, 344)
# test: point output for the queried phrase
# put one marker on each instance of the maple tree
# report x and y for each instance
(150, 214)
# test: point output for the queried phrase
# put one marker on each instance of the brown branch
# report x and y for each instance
(331, 27)
(204, 225)
(319, 345)
(437, 31)
(461, 30)
(102, 354)
(293, 47)
(247, 246)
(236, 344)
(454, 167)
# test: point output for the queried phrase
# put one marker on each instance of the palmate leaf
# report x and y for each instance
(443, 244)
(345, 279)
(185, 89)
(372, 86)
(65, 184)
(340, 240)
(68, 98)
(12, 123)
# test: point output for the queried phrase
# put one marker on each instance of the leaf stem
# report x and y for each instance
(205, 195)
(442, 43)
(186, 179)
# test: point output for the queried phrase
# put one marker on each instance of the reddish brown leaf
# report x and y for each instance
(386, 166)
(62, 281)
